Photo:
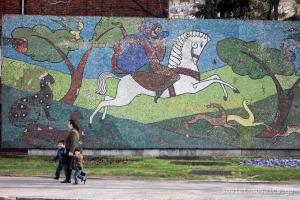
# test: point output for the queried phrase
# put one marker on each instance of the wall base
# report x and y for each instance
(173, 153)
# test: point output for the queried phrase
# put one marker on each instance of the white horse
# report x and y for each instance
(186, 51)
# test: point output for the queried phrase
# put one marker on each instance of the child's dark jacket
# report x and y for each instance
(60, 155)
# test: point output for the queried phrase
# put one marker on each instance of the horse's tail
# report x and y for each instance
(102, 82)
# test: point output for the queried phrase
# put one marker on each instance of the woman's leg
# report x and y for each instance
(68, 169)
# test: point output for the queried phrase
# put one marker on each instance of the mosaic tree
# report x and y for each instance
(257, 61)
(46, 44)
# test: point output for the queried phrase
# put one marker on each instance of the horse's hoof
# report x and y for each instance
(90, 125)
(236, 90)
(98, 92)
(225, 98)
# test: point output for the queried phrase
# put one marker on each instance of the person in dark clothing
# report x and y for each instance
(60, 156)
(71, 142)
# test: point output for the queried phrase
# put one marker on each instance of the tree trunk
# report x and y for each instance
(283, 109)
(76, 79)
(276, 4)
(210, 7)
(71, 95)
(273, 4)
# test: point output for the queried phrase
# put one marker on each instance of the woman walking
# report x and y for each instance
(71, 142)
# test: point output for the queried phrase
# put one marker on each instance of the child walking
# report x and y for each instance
(77, 165)
(60, 156)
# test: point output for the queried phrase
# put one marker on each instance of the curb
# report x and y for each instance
(29, 198)
(143, 179)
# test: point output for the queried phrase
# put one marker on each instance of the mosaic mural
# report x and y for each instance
(142, 83)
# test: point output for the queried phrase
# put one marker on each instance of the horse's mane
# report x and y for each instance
(176, 53)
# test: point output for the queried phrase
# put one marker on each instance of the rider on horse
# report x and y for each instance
(150, 44)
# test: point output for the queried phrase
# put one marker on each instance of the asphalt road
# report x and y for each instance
(36, 187)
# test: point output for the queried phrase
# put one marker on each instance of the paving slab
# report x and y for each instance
(46, 188)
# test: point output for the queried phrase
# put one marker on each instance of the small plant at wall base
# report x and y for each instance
(256, 61)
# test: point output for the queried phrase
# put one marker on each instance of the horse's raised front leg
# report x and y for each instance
(216, 77)
(207, 82)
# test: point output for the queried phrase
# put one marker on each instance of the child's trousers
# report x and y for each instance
(77, 175)
(59, 168)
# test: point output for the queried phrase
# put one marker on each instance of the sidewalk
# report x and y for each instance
(46, 188)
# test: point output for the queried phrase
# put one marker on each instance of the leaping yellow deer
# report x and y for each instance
(247, 122)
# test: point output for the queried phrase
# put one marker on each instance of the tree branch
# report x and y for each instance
(60, 52)
(84, 59)
(268, 70)
(293, 88)
(93, 42)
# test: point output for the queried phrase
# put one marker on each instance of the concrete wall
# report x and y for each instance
(177, 153)
(235, 83)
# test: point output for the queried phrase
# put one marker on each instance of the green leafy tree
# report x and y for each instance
(45, 44)
(257, 61)
(258, 9)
